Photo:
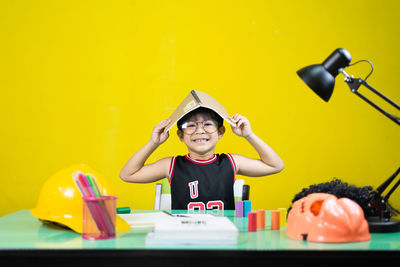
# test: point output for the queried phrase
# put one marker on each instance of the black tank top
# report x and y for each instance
(202, 184)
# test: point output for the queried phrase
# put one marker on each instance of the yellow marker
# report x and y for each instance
(283, 216)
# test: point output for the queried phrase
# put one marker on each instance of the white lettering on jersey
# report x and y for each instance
(194, 190)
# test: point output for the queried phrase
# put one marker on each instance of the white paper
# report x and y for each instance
(193, 229)
(143, 220)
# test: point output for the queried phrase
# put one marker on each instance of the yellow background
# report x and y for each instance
(86, 81)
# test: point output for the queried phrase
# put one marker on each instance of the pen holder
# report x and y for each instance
(99, 214)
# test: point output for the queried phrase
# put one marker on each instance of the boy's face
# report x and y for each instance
(200, 142)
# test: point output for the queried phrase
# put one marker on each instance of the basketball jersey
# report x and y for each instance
(202, 184)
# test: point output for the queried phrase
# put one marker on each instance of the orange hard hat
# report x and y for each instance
(60, 200)
(322, 217)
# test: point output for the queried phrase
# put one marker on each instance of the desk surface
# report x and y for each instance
(20, 231)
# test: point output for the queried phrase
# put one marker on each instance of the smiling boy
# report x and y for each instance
(201, 179)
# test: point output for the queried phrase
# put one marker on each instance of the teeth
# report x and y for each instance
(200, 140)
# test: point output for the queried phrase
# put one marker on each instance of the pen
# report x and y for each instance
(174, 215)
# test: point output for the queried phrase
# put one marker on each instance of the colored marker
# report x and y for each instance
(246, 207)
(275, 218)
(239, 208)
(252, 222)
(283, 217)
(260, 219)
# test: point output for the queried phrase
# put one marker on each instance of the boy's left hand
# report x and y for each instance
(243, 127)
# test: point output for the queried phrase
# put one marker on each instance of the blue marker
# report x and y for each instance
(246, 207)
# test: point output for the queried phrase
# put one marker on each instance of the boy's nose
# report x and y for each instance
(199, 128)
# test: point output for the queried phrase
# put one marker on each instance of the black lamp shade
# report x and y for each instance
(319, 80)
(321, 77)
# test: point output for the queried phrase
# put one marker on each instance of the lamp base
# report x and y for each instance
(376, 225)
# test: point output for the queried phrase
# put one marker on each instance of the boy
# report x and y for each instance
(201, 179)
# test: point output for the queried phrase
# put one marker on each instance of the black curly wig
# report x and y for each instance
(361, 195)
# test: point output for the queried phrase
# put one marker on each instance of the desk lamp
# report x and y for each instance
(321, 79)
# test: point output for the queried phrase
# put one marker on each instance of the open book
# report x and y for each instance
(195, 100)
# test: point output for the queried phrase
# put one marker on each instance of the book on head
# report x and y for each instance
(195, 100)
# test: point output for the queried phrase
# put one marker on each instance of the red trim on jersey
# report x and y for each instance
(201, 161)
(171, 170)
(232, 161)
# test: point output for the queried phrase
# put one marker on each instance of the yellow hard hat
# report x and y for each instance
(60, 200)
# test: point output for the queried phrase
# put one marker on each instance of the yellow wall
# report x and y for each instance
(86, 81)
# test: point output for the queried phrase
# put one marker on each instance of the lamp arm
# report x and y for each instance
(394, 187)
(386, 183)
(355, 83)
(380, 202)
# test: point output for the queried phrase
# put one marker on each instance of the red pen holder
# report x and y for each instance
(99, 215)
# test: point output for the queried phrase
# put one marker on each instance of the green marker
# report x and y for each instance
(122, 210)
(93, 185)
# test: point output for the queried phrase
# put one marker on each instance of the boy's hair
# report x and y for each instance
(207, 113)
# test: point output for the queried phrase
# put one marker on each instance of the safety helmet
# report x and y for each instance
(60, 200)
(322, 217)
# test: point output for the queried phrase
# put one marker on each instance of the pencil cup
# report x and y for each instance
(99, 214)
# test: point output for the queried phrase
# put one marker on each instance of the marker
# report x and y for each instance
(283, 217)
(246, 207)
(252, 222)
(275, 218)
(260, 219)
(239, 208)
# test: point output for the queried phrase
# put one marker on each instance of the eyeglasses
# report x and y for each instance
(190, 127)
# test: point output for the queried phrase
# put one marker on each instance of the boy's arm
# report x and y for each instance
(135, 170)
(269, 161)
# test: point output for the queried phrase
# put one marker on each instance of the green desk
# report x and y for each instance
(23, 238)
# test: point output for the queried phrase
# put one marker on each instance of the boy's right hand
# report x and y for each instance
(159, 135)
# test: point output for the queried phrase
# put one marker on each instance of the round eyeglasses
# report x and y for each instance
(190, 127)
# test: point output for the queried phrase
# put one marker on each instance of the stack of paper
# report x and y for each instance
(193, 229)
